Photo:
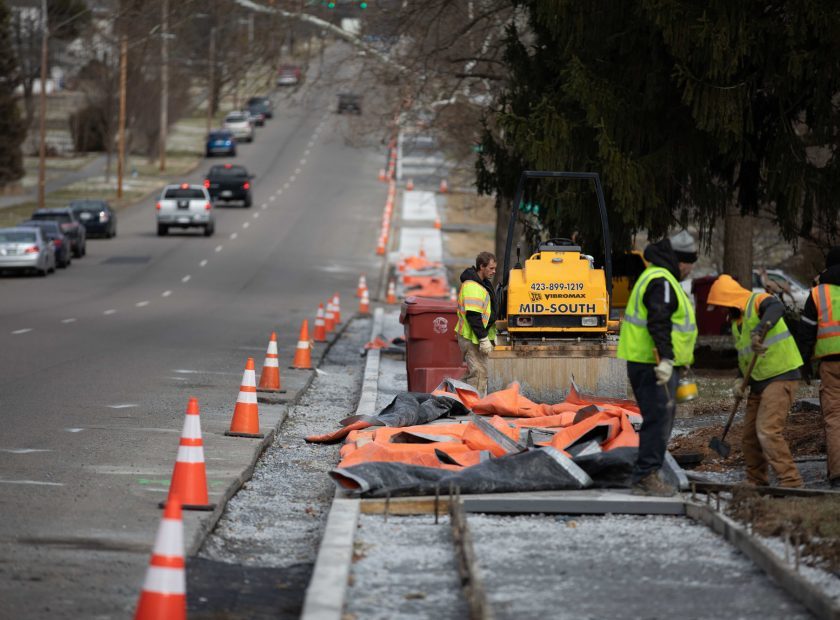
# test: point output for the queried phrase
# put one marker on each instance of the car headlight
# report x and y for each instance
(589, 321)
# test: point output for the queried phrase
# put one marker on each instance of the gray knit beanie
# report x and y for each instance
(684, 246)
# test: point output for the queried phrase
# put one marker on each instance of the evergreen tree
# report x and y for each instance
(12, 129)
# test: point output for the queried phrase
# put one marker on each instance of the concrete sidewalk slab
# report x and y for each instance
(418, 205)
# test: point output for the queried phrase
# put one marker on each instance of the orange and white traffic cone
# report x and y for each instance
(164, 592)
(337, 309)
(320, 325)
(409, 185)
(382, 174)
(246, 415)
(362, 285)
(270, 376)
(437, 222)
(392, 293)
(364, 303)
(189, 476)
(444, 186)
(380, 246)
(329, 317)
(453, 294)
(303, 353)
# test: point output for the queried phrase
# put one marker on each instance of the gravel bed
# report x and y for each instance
(619, 567)
(404, 568)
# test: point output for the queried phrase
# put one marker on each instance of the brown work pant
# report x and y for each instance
(476, 365)
(830, 405)
(763, 441)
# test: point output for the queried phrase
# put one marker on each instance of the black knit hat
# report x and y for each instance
(833, 257)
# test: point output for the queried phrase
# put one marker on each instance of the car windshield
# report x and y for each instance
(223, 171)
(235, 118)
(257, 106)
(180, 192)
(219, 135)
(17, 236)
(49, 229)
(87, 205)
(56, 217)
(257, 100)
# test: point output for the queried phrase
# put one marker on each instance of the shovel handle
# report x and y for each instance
(744, 385)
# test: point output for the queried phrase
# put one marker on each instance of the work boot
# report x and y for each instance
(653, 484)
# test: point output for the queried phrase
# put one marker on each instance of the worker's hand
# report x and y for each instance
(737, 390)
(756, 345)
(663, 371)
(484, 346)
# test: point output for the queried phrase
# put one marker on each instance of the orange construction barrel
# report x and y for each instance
(431, 349)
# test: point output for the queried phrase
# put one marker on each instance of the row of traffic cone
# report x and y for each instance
(385, 229)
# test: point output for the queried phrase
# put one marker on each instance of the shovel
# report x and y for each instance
(717, 443)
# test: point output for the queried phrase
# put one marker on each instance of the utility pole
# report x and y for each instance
(42, 147)
(121, 128)
(164, 81)
(211, 84)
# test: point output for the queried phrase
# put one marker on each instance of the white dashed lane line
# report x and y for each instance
(293, 177)
(186, 278)
(297, 171)
(273, 198)
(203, 263)
(218, 248)
(286, 185)
(71, 320)
(17, 332)
(109, 312)
(255, 215)
(142, 304)
(264, 207)
(166, 293)
(306, 152)
(234, 235)
(303, 161)
(246, 224)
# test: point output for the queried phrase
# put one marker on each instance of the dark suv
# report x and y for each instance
(261, 105)
(229, 182)
(97, 216)
(72, 228)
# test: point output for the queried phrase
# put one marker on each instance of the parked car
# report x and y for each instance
(185, 206)
(349, 102)
(264, 105)
(61, 244)
(239, 124)
(26, 248)
(97, 216)
(289, 75)
(778, 283)
(229, 183)
(71, 226)
(220, 142)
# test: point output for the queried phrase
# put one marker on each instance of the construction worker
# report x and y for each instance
(658, 334)
(820, 339)
(476, 327)
(759, 329)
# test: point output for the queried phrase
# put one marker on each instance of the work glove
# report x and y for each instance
(736, 389)
(663, 371)
(484, 346)
(756, 345)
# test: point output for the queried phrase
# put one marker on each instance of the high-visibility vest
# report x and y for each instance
(635, 343)
(782, 353)
(473, 297)
(826, 296)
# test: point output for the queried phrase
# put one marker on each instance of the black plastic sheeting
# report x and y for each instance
(411, 409)
(540, 469)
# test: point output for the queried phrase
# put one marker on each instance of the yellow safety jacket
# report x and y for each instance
(473, 297)
(782, 353)
(826, 297)
(635, 343)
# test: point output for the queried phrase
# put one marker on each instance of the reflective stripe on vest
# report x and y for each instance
(825, 297)
(782, 353)
(473, 297)
(635, 343)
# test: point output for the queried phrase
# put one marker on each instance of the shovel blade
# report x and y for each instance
(720, 446)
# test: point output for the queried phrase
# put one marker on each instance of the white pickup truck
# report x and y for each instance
(185, 206)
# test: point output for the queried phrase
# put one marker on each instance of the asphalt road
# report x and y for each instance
(98, 361)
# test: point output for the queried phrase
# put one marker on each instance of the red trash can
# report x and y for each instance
(710, 322)
(431, 346)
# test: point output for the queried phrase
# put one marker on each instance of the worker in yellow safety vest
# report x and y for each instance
(758, 328)
(820, 340)
(476, 327)
(658, 333)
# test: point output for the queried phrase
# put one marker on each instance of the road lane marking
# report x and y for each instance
(218, 248)
(286, 185)
(166, 293)
(17, 332)
(123, 406)
(293, 177)
(37, 482)
(234, 235)
(74, 430)
(246, 224)
(202, 263)
(279, 191)
(273, 198)
(297, 171)
(68, 320)
(264, 207)
(186, 278)
(255, 215)
(110, 311)
(142, 304)
(177, 378)
(187, 371)
(22, 450)
(307, 152)
(311, 143)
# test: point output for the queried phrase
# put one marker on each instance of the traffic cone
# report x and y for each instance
(164, 592)
(270, 377)
(392, 293)
(303, 353)
(320, 325)
(246, 415)
(364, 303)
(444, 186)
(189, 476)
(453, 294)
(382, 174)
(409, 185)
(362, 285)
(380, 246)
(337, 309)
(437, 222)
(329, 317)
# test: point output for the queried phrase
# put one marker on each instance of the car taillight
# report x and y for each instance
(208, 206)
(207, 183)
(57, 242)
(157, 206)
(32, 249)
(246, 185)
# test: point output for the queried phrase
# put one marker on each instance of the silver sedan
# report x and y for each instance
(25, 248)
